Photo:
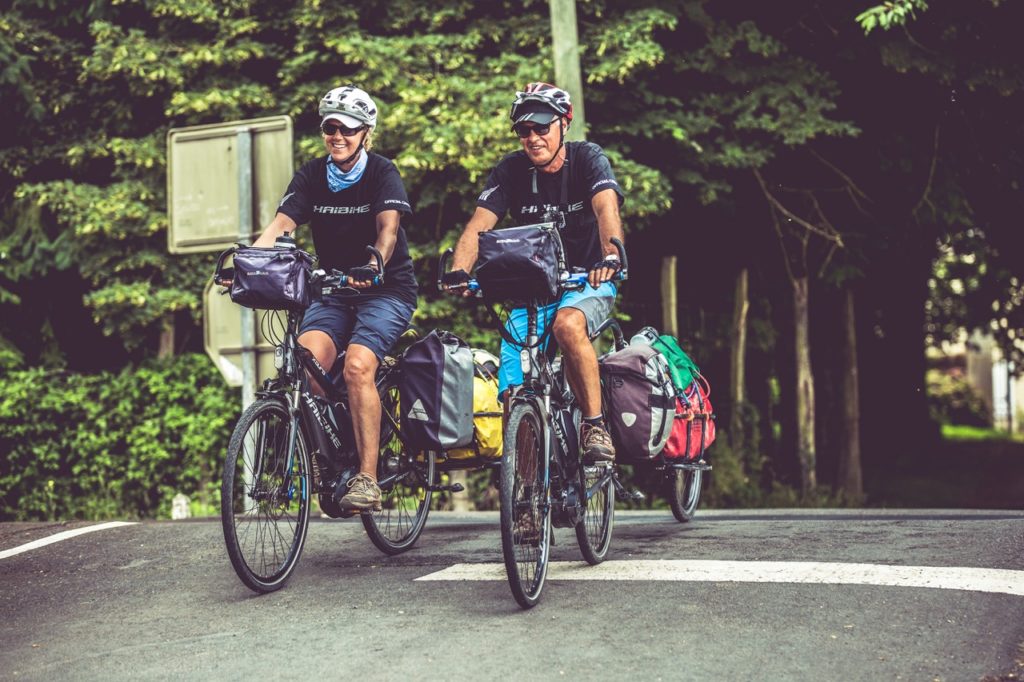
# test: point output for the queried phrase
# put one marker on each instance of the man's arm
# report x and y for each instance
(609, 225)
(466, 249)
(278, 226)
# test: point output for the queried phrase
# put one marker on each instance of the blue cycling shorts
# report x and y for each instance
(595, 304)
(375, 322)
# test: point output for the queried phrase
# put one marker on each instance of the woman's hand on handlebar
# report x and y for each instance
(363, 277)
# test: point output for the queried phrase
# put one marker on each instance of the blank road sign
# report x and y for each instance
(222, 337)
(202, 181)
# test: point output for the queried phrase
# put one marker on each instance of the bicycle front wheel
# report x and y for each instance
(265, 496)
(594, 531)
(406, 481)
(525, 507)
(684, 492)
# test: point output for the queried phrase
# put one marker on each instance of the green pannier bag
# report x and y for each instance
(684, 370)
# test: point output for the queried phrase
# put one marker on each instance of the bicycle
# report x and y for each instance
(543, 481)
(291, 444)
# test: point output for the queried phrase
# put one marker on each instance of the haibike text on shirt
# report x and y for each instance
(544, 208)
(342, 210)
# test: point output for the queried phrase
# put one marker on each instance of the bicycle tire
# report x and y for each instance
(405, 504)
(594, 531)
(684, 488)
(525, 505)
(265, 497)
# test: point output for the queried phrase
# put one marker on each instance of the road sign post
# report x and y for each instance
(223, 184)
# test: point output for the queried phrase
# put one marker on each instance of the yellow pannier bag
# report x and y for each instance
(487, 436)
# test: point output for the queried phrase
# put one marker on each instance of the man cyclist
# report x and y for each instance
(576, 178)
(352, 198)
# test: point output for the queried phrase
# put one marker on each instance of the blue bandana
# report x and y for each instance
(338, 180)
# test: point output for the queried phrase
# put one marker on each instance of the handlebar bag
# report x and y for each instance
(639, 401)
(270, 278)
(435, 392)
(518, 264)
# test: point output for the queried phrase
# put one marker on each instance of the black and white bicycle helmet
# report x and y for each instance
(350, 105)
(538, 101)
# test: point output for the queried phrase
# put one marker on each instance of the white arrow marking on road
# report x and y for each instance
(998, 580)
(42, 542)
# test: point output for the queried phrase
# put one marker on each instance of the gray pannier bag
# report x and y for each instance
(435, 392)
(639, 401)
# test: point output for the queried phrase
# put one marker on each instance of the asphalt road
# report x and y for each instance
(160, 601)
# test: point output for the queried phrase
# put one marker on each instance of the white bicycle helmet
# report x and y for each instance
(350, 105)
(540, 102)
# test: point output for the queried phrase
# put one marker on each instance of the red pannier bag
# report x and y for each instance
(694, 427)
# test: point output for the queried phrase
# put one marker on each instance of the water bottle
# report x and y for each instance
(645, 337)
(285, 241)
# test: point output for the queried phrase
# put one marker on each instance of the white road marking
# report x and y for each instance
(1003, 581)
(42, 542)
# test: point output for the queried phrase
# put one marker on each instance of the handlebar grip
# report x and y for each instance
(624, 271)
(442, 266)
(372, 250)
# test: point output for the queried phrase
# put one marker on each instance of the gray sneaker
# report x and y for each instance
(597, 445)
(363, 495)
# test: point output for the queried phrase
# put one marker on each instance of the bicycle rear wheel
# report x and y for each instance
(594, 531)
(265, 496)
(407, 481)
(684, 487)
(525, 508)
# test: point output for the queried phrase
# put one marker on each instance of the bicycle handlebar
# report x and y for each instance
(326, 283)
(568, 281)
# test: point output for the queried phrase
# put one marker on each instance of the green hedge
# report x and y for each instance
(113, 445)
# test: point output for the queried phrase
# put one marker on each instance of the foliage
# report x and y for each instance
(890, 14)
(112, 445)
(952, 400)
(960, 432)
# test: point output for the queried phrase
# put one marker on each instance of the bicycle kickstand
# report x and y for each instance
(620, 490)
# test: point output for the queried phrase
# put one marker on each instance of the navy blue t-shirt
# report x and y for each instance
(344, 223)
(510, 188)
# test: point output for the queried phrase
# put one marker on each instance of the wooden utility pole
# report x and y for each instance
(669, 319)
(565, 40)
(738, 364)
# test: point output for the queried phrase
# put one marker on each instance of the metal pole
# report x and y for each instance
(244, 138)
(565, 41)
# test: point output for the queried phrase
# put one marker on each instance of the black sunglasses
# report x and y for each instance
(523, 130)
(330, 128)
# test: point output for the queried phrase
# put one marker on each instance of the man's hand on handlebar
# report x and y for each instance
(456, 282)
(604, 270)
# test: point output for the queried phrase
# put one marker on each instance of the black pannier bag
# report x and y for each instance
(639, 401)
(518, 264)
(435, 392)
(268, 278)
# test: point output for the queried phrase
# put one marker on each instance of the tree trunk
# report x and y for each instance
(849, 481)
(737, 393)
(166, 347)
(669, 319)
(804, 388)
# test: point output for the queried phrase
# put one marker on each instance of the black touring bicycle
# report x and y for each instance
(292, 445)
(543, 481)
